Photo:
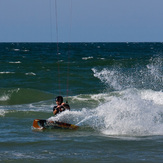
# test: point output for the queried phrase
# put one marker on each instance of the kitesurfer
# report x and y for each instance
(61, 106)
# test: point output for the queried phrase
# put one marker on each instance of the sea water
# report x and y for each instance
(115, 92)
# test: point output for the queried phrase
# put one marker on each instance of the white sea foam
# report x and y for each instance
(4, 98)
(134, 111)
(124, 113)
(7, 72)
(101, 58)
(21, 155)
(109, 77)
(70, 116)
(86, 58)
(154, 96)
(16, 49)
(25, 50)
(154, 68)
(117, 78)
(30, 73)
(6, 94)
(2, 112)
(16, 62)
(129, 114)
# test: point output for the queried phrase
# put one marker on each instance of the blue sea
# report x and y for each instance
(115, 91)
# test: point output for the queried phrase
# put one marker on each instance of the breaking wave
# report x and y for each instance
(22, 96)
(131, 113)
(131, 105)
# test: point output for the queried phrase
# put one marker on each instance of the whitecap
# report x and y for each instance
(25, 50)
(7, 72)
(30, 73)
(155, 96)
(16, 49)
(4, 98)
(16, 62)
(2, 112)
(101, 58)
(86, 58)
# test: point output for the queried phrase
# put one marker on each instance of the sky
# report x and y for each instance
(81, 21)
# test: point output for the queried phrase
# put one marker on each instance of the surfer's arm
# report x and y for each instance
(60, 108)
(55, 110)
(65, 106)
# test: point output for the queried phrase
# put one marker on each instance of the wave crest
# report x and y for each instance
(127, 113)
(22, 96)
(149, 76)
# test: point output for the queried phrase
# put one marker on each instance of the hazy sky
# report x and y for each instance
(81, 21)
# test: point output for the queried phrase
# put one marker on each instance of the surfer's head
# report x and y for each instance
(59, 99)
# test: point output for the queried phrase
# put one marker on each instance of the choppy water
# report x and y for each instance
(115, 92)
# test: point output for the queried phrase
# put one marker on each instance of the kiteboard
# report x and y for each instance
(44, 124)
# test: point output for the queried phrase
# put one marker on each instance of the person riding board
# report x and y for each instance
(61, 106)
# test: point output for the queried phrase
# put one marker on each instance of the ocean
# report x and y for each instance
(115, 91)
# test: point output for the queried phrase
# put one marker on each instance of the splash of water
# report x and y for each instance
(134, 108)
(149, 76)
(2, 112)
(130, 114)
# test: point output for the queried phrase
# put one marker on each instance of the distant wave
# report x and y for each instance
(22, 96)
(16, 62)
(30, 73)
(16, 49)
(2, 112)
(7, 72)
(4, 98)
(24, 50)
(86, 58)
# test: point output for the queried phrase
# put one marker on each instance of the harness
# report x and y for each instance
(59, 110)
